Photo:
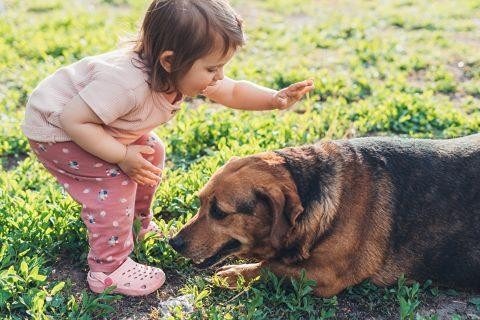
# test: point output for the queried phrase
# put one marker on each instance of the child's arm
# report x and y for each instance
(85, 128)
(249, 96)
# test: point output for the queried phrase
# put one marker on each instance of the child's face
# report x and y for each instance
(204, 72)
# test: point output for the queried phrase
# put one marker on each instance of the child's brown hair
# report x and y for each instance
(189, 28)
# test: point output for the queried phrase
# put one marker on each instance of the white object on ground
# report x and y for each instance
(185, 302)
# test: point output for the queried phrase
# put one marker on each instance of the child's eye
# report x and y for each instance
(212, 70)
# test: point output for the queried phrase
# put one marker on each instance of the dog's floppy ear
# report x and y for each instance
(285, 207)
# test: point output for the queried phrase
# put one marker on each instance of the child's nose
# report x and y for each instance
(219, 75)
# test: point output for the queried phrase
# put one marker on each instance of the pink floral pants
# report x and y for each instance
(110, 199)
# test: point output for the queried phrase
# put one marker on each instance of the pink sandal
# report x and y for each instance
(152, 227)
(130, 279)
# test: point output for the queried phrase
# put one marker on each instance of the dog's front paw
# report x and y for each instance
(231, 274)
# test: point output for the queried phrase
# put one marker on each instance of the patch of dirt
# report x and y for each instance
(143, 308)
(417, 79)
(446, 305)
(10, 162)
(458, 70)
(466, 39)
(68, 270)
(352, 309)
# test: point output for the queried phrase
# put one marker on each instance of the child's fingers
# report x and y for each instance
(301, 92)
(306, 89)
(147, 165)
(150, 175)
(296, 86)
(148, 182)
(300, 85)
(147, 150)
(145, 178)
(140, 180)
(155, 170)
(297, 95)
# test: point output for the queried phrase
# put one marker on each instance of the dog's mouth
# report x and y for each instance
(226, 250)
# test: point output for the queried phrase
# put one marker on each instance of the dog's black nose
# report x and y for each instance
(177, 243)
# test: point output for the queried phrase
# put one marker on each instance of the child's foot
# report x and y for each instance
(130, 279)
(152, 227)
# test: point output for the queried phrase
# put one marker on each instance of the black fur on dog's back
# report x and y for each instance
(436, 204)
(435, 199)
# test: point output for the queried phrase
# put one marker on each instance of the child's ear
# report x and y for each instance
(166, 60)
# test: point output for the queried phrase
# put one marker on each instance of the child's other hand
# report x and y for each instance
(287, 97)
(138, 168)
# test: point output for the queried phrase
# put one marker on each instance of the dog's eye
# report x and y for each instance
(216, 213)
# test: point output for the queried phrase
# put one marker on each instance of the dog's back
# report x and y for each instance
(435, 231)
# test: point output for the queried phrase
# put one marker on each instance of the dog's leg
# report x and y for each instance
(328, 283)
(231, 273)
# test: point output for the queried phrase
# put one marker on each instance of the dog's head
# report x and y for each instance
(247, 209)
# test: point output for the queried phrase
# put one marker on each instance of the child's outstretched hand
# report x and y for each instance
(287, 97)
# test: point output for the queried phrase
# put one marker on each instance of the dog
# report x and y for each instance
(345, 211)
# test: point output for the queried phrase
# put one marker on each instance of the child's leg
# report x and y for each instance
(144, 196)
(107, 197)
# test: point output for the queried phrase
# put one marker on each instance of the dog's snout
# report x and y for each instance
(177, 243)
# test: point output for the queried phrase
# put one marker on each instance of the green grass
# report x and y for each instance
(409, 68)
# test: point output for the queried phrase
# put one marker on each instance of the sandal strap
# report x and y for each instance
(102, 277)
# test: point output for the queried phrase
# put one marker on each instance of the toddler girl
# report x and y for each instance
(91, 124)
